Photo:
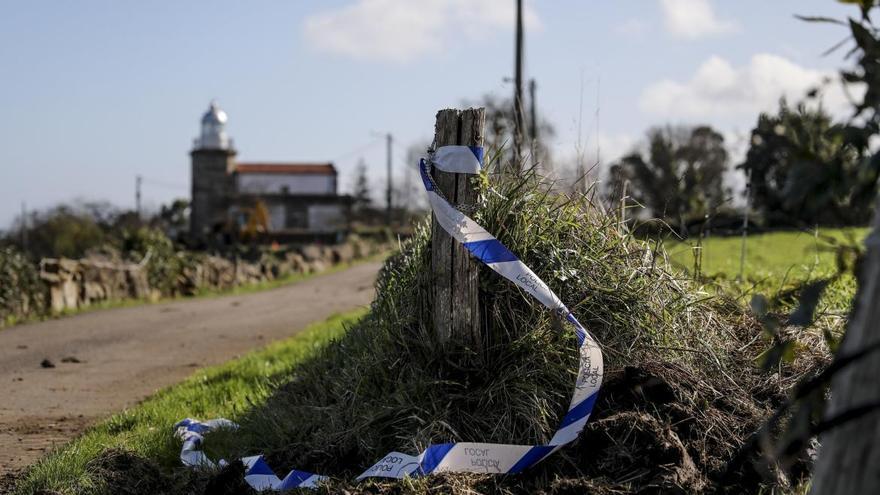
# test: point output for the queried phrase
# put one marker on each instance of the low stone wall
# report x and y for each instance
(73, 284)
(22, 293)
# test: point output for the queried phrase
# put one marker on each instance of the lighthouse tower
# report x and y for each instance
(213, 161)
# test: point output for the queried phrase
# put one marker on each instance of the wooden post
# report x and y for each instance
(518, 109)
(850, 452)
(454, 272)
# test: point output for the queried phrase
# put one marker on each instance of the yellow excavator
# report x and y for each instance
(257, 221)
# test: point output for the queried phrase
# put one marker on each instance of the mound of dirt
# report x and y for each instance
(653, 432)
(646, 437)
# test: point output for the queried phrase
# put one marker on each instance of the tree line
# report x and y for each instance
(801, 169)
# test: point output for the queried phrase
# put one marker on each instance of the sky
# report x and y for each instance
(95, 93)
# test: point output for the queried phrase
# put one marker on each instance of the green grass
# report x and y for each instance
(776, 256)
(775, 263)
(226, 390)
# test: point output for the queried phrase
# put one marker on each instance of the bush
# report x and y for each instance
(22, 293)
(166, 265)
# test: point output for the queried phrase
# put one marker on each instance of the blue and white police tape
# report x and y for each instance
(462, 457)
(257, 473)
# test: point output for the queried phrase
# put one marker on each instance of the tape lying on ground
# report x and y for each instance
(463, 457)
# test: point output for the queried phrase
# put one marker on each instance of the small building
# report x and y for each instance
(285, 201)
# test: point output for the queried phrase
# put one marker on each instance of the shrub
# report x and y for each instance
(165, 264)
(22, 293)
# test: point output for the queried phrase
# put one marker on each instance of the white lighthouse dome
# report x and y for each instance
(214, 115)
(213, 134)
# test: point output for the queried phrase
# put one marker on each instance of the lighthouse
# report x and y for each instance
(213, 162)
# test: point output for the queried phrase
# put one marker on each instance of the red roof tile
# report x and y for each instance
(286, 168)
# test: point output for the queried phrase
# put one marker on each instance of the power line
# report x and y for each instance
(137, 193)
(389, 142)
(359, 149)
(24, 232)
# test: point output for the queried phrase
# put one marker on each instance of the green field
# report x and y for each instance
(219, 391)
(775, 263)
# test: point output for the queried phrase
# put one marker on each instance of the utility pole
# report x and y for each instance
(533, 125)
(24, 233)
(580, 181)
(407, 190)
(533, 128)
(137, 194)
(388, 139)
(598, 114)
(518, 117)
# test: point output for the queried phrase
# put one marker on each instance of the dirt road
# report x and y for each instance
(107, 360)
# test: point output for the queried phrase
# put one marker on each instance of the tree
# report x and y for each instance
(681, 178)
(361, 199)
(804, 171)
(173, 218)
(67, 230)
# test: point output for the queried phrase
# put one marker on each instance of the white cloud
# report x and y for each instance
(400, 30)
(737, 143)
(613, 146)
(718, 89)
(693, 19)
(597, 155)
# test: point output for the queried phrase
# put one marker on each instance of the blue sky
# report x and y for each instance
(93, 93)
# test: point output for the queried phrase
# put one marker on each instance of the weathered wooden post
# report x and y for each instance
(850, 453)
(454, 272)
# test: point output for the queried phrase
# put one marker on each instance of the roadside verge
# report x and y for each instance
(216, 391)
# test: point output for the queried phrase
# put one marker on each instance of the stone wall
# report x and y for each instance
(74, 284)
(22, 293)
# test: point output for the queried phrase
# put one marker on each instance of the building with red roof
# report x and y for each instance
(286, 200)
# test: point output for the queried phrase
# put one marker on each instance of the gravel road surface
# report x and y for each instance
(107, 360)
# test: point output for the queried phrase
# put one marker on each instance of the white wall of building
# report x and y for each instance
(294, 184)
(277, 217)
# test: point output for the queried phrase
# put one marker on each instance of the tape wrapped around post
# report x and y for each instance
(461, 457)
